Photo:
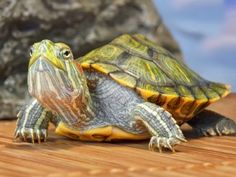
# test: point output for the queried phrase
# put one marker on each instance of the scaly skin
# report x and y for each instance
(33, 122)
(59, 88)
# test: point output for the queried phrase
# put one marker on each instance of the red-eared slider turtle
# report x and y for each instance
(128, 89)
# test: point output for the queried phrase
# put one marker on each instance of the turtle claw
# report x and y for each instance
(45, 134)
(16, 134)
(181, 139)
(38, 136)
(32, 135)
(35, 135)
(158, 143)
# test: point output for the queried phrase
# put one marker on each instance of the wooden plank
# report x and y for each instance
(208, 156)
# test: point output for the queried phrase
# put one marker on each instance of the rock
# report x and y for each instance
(83, 24)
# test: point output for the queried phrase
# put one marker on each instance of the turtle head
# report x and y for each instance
(54, 77)
(47, 52)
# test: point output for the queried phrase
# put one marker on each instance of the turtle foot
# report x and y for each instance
(31, 135)
(210, 123)
(222, 127)
(158, 143)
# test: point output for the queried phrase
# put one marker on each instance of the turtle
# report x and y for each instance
(128, 89)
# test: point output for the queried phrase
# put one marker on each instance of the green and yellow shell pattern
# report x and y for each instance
(155, 74)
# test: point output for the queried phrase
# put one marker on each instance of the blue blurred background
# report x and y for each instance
(206, 33)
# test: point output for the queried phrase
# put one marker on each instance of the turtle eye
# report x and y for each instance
(31, 51)
(66, 54)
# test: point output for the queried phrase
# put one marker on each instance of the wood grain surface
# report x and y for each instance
(207, 157)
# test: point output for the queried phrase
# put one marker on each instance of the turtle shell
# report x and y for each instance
(153, 72)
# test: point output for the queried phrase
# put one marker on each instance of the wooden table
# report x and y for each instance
(210, 156)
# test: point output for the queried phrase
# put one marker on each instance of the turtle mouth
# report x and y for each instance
(43, 65)
(41, 70)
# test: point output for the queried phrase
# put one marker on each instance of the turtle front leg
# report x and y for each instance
(161, 125)
(209, 123)
(33, 122)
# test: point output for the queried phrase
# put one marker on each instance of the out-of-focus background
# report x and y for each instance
(206, 33)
